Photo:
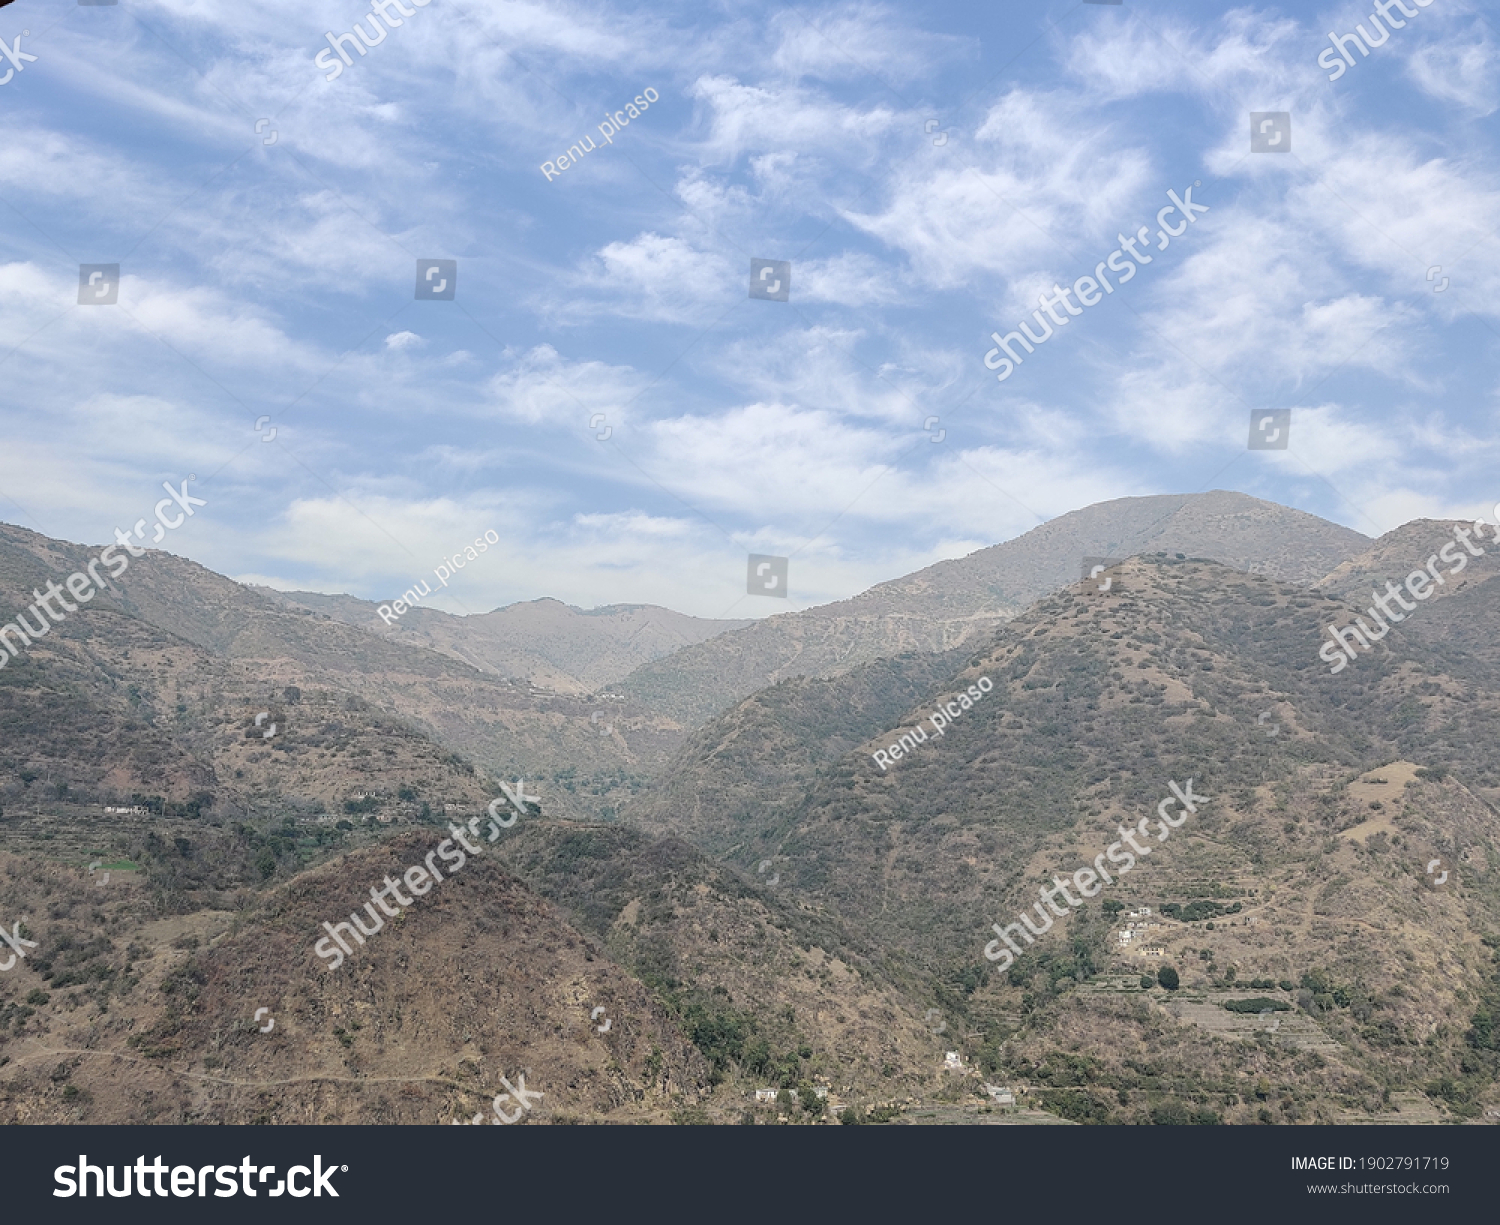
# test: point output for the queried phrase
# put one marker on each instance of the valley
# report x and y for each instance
(723, 891)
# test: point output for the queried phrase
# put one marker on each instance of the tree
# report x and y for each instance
(1147, 982)
(1483, 1034)
(1167, 977)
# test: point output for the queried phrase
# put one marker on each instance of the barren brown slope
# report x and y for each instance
(1098, 700)
(1461, 614)
(1186, 670)
(731, 789)
(478, 981)
(591, 754)
(108, 706)
(773, 989)
(545, 642)
(1385, 972)
(954, 603)
(1409, 547)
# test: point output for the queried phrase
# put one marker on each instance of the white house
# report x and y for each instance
(951, 1061)
(765, 1095)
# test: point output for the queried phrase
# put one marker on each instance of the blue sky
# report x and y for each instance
(927, 169)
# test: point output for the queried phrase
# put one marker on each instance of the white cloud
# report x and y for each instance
(850, 278)
(540, 386)
(1460, 72)
(861, 41)
(843, 372)
(1240, 55)
(760, 118)
(285, 271)
(1048, 179)
(652, 276)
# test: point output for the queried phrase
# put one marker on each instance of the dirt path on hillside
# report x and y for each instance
(47, 1052)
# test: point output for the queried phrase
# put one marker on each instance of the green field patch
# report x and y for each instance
(1194, 912)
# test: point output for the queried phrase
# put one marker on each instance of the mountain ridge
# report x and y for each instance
(954, 602)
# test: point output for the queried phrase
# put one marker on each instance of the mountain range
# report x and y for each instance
(730, 879)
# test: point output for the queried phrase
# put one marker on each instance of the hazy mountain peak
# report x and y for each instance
(963, 600)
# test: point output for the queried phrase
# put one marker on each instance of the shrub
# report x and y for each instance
(1483, 1034)
(1259, 1004)
(1170, 1114)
